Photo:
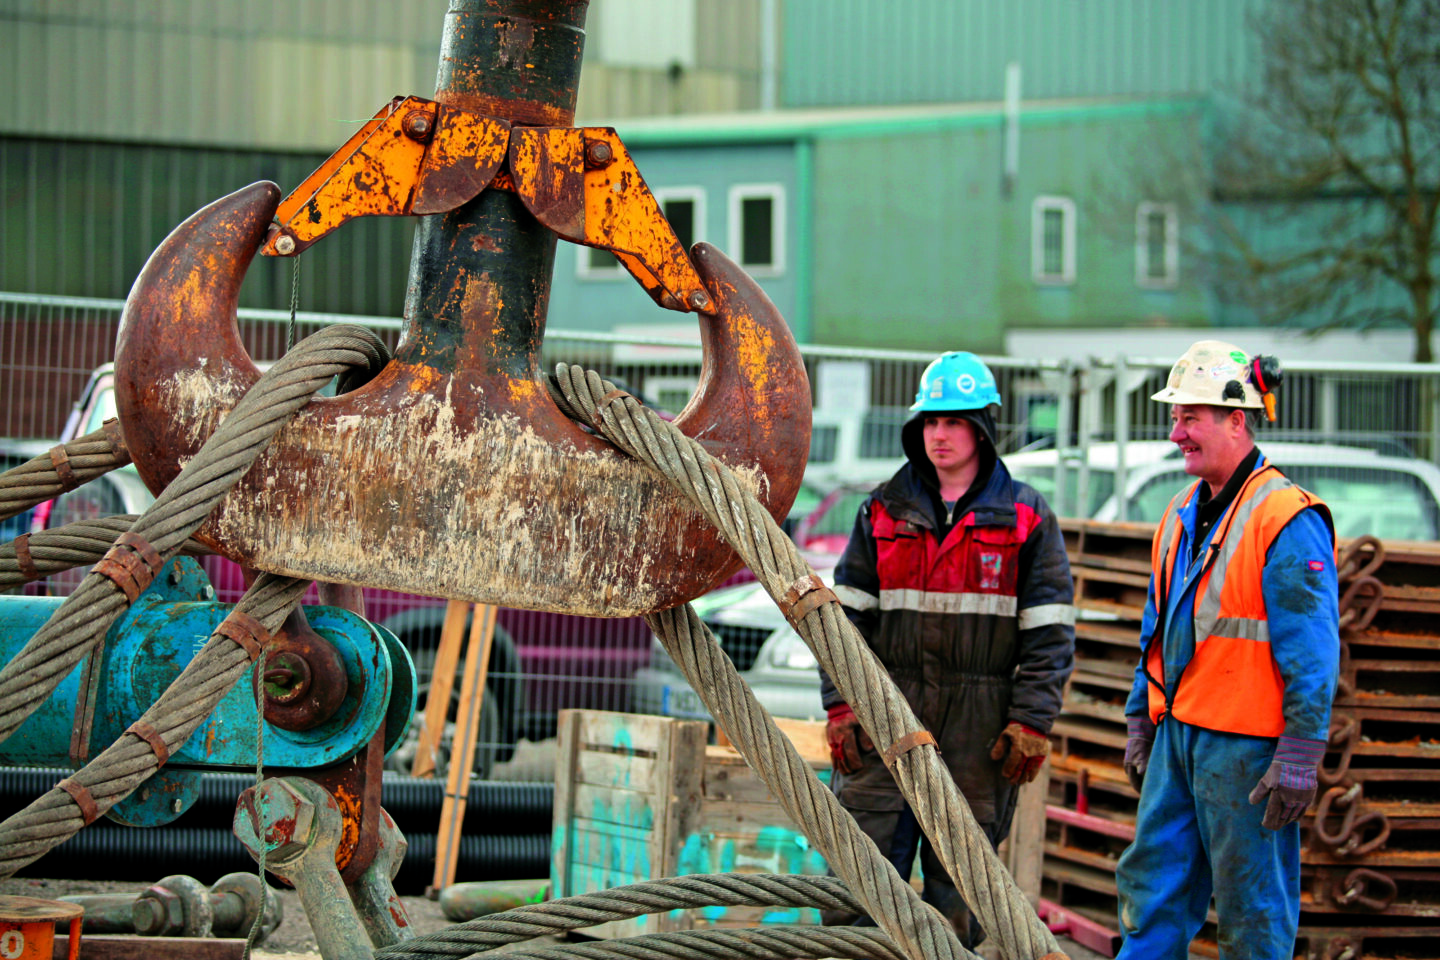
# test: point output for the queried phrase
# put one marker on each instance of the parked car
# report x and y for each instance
(769, 654)
(12, 454)
(1382, 494)
(855, 446)
(826, 528)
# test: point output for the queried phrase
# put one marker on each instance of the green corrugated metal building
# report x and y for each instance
(888, 201)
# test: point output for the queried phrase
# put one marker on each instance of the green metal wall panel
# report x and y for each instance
(266, 74)
(919, 245)
(80, 219)
(846, 52)
(270, 74)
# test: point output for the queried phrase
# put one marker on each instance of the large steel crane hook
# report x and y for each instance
(452, 473)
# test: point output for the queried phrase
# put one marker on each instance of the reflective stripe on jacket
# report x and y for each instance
(976, 631)
(1232, 682)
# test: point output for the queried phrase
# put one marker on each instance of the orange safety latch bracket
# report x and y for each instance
(417, 156)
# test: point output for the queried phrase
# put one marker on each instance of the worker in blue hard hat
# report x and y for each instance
(956, 576)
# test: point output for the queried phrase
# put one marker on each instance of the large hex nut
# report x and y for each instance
(157, 912)
(284, 819)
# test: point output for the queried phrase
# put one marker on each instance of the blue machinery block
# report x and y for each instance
(146, 649)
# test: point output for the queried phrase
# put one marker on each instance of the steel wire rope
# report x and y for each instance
(70, 546)
(73, 629)
(888, 898)
(779, 942)
(55, 816)
(39, 479)
(623, 903)
(861, 679)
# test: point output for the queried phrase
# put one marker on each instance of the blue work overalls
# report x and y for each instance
(1196, 832)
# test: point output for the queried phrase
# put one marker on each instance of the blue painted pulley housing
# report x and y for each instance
(146, 649)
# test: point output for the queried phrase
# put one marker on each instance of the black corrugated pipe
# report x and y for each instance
(143, 856)
(522, 857)
(414, 804)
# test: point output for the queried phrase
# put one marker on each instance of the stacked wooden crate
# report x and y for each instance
(1371, 855)
(643, 797)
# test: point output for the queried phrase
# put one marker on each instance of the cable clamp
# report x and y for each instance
(804, 595)
(80, 793)
(28, 570)
(905, 744)
(605, 402)
(246, 631)
(117, 441)
(131, 564)
(60, 460)
(151, 736)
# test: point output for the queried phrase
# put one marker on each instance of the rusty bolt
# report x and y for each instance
(158, 912)
(598, 153)
(287, 677)
(699, 300)
(286, 819)
(417, 126)
(284, 245)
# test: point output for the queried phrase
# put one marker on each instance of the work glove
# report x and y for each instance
(1027, 749)
(1140, 738)
(846, 738)
(1290, 781)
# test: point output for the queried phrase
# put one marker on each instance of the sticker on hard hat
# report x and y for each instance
(937, 387)
(1317, 565)
(966, 383)
(1237, 356)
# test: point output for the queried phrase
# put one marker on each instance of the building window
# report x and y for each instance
(684, 207)
(1157, 245)
(1052, 245)
(757, 227)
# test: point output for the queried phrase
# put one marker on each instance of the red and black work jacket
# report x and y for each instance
(976, 630)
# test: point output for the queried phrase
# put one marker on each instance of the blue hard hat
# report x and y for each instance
(956, 381)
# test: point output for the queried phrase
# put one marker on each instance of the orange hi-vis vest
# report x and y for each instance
(1232, 682)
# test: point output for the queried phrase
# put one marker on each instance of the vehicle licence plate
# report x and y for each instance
(683, 702)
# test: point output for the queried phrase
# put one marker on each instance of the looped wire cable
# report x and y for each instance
(623, 903)
(862, 680)
(30, 677)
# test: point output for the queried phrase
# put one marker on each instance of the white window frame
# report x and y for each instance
(1043, 205)
(695, 194)
(741, 192)
(1171, 278)
(583, 269)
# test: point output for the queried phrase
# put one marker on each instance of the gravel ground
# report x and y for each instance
(294, 940)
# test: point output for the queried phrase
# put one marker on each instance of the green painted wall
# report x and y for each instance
(919, 245)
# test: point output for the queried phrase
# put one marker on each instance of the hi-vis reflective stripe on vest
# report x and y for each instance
(1232, 682)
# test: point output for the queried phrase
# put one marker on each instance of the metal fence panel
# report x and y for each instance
(1364, 436)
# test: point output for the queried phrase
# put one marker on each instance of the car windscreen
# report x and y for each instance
(1102, 485)
(1384, 502)
(1379, 501)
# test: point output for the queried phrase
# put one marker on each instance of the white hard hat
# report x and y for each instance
(1203, 375)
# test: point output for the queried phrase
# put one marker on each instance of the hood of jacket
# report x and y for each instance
(912, 441)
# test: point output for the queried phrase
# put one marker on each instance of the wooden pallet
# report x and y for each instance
(642, 797)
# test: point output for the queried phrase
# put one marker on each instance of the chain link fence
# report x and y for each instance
(1366, 437)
